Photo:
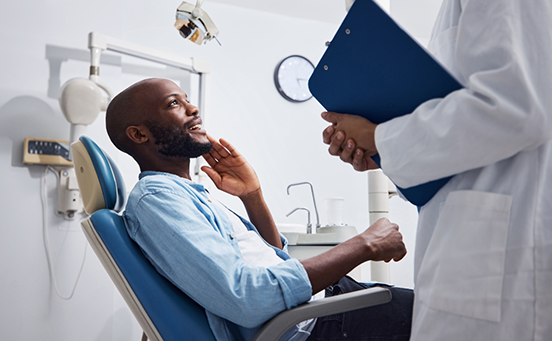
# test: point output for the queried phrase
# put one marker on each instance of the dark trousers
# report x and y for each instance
(391, 321)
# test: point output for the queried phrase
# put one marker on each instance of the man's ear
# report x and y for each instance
(137, 134)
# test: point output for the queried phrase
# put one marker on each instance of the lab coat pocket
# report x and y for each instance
(463, 266)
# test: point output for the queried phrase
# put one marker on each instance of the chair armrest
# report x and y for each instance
(275, 328)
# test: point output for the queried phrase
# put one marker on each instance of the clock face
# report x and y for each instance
(291, 78)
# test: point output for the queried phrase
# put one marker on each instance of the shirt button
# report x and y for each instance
(232, 235)
(209, 200)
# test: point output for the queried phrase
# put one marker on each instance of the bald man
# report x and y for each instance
(238, 269)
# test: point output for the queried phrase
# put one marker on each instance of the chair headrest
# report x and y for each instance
(100, 181)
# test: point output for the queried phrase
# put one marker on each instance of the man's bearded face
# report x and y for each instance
(177, 142)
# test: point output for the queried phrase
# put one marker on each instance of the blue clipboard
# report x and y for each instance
(374, 69)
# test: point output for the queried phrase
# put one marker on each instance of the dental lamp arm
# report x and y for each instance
(100, 42)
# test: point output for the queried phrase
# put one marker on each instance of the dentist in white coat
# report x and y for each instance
(483, 258)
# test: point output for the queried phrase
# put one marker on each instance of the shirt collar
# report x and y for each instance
(173, 176)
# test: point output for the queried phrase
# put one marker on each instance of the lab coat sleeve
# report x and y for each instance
(502, 50)
(184, 244)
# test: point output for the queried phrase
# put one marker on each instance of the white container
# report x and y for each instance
(334, 210)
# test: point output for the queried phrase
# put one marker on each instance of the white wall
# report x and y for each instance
(416, 16)
(281, 139)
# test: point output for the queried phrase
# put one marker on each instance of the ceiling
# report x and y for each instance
(331, 11)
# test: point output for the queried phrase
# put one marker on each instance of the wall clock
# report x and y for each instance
(291, 78)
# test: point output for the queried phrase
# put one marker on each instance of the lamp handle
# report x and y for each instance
(108, 91)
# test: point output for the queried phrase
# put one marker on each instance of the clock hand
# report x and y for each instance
(301, 79)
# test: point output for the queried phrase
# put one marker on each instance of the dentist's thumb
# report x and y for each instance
(329, 116)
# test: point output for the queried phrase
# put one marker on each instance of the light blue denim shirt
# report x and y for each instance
(191, 242)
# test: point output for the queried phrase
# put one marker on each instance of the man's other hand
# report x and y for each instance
(385, 242)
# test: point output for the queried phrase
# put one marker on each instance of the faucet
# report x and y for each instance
(313, 199)
(309, 225)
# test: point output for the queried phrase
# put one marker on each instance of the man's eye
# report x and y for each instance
(175, 102)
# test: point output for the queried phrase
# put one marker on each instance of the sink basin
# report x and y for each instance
(328, 235)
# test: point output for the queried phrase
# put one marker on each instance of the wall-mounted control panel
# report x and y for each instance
(46, 152)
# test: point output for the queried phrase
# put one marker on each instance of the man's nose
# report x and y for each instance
(192, 110)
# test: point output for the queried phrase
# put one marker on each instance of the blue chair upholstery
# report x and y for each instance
(163, 311)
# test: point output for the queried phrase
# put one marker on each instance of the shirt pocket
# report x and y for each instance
(463, 267)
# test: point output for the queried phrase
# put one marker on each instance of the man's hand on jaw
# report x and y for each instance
(229, 170)
(232, 174)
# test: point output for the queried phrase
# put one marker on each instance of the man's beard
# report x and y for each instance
(175, 142)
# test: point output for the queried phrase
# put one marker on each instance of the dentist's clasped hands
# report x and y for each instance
(351, 138)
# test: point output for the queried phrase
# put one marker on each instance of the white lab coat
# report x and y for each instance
(483, 258)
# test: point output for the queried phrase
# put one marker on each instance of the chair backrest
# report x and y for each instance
(163, 311)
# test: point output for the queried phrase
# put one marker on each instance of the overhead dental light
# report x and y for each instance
(194, 23)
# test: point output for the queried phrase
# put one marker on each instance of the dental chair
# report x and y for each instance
(163, 311)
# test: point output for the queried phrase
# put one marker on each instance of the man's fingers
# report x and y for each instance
(212, 139)
(215, 154)
(220, 150)
(216, 150)
(211, 173)
(222, 147)
(229, 147)
(396, 259)
(400, 255)
(210, 159)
